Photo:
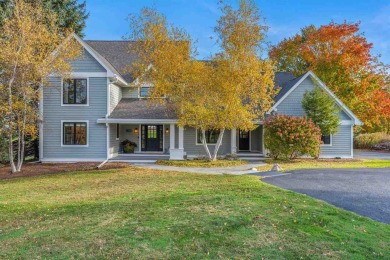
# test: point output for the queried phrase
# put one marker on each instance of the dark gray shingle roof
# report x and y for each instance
(286, 85)
(135, 108)
(117, 54)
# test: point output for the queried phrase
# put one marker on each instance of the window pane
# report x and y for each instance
(144, 92)
(81, 134)
(81, 91)
(68, 89)
(325, 139)
(211, 136)
(117, 131)
(68, 133)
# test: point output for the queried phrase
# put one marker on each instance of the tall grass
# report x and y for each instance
(367, 141)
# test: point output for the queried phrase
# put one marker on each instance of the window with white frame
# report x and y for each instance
(326, 139)
(144, 91)
(74, 133)
(210, 135)
(75, 92)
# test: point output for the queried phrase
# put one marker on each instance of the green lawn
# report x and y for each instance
(300, 164)
(136, 213)
(202, 163)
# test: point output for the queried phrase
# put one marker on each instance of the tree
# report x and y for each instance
(341, 57)
(232, 90)
(31, 47)
(71, 15)
(289, 137)
(322, 110)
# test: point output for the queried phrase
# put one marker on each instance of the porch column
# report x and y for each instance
(172, 136)
(233, 141)
(181, 137)
(176, 153)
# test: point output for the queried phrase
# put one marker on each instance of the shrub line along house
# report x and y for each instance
(86, 117)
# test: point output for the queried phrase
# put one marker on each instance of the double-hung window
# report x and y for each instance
(211, 136)
(74, 133)
(144, 92)
(75, 92)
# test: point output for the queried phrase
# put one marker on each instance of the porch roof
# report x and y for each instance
(134, 108)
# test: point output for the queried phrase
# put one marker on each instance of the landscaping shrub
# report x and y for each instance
(289, 137)
(371, 141)
(128, 146)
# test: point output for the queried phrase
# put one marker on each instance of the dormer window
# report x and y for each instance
(75, 92)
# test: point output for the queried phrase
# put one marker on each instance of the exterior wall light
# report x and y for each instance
(136, 130)
(167, 130)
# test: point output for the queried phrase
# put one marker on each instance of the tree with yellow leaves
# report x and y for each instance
(31, 48)
(231, 91)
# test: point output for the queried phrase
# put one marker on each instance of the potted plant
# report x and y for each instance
(128, 146)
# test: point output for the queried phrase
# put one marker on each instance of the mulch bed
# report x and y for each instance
(37, 169)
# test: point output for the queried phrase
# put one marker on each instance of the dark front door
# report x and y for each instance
(152, 138)
(243, 143)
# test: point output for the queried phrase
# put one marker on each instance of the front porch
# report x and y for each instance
(163, 141)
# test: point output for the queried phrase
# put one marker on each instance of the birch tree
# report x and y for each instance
(31, 47)
(230, 91)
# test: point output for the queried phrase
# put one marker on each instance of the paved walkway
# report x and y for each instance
(366, 154)
(364, 191)
(236, 170)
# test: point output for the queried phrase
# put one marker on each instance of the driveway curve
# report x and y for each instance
(364, 191)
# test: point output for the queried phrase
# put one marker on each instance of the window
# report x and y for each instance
(74, 92)
(326, 139)
(75, 133)
(117, 131)
(144, 91)
(211, 136)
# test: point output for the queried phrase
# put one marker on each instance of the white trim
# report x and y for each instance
(351, 141)
(171, 136)
(70, 160)
(62, 133)
(139, 138)
(331, 142)
(135, 121)
(41, 122)
(91, 51)
(83, 75)
(74, 105)
(338, 101)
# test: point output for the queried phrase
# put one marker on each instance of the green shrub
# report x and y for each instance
(289, 137)
(128, 146)
(367, 141)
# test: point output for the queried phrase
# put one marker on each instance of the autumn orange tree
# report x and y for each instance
(31, 48)
(232, 90)
(341, 56)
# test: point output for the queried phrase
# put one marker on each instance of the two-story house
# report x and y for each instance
(86, 116)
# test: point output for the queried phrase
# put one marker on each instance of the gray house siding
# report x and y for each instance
(130, 92)
(114, 144)
(87, 63)
(193, 149)
(256, 137)
(53, 113)
(292, 105)
(115, 96)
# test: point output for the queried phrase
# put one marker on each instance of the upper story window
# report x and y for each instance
(144, 91)
(75, 92)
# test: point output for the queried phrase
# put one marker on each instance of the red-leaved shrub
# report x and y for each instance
(289, 137)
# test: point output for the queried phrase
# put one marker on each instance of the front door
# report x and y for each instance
(243, 143)
(152, 138)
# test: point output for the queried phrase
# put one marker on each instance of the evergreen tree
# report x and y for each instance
(322, 110)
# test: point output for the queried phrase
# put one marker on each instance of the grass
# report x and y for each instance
(202, 163)
(152, 214)
(300, 164)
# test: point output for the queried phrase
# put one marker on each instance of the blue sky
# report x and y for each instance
(107, 19)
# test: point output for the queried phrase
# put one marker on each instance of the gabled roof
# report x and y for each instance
(117, 54)
(290, 85)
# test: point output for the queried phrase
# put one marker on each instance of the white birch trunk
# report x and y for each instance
(206, 148)
(218, 144)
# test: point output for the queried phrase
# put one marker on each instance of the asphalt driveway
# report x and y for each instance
(364, 191)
